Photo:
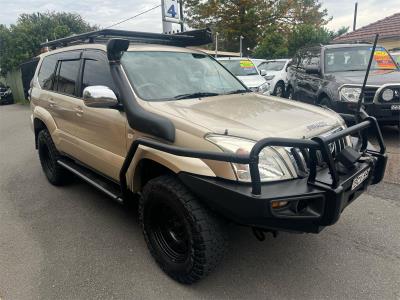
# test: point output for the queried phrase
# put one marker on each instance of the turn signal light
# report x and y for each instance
(278, 204)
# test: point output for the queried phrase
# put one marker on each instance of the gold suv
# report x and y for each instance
(142, 115)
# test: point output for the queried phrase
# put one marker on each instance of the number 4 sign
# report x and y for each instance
(171, 11)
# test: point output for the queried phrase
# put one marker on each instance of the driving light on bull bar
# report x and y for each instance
(271, 165)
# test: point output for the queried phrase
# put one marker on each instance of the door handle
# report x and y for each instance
(79, 111)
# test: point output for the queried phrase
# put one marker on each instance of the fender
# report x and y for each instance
(41, 114)
(174, 163)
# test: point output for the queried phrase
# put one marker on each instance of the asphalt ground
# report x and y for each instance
(72, 242)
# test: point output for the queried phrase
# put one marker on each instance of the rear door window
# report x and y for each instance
(46, 72)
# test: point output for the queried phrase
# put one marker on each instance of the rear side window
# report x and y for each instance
(46, 73)
(67, 76)
(96, 70)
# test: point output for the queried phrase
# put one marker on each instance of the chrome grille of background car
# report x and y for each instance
(301, 157)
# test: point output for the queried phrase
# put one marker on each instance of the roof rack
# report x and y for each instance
(182, 39)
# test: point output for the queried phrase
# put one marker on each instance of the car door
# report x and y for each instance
(62, 99)
(301, 83)
(101, 131)
(313, 81)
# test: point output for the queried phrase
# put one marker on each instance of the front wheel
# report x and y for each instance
(185, 239)
(290, 93)
(279, 90)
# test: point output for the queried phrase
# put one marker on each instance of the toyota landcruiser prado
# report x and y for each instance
(332, 75)
(140, 115)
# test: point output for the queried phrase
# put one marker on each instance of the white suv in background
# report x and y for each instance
(246, 71)
(275, 73)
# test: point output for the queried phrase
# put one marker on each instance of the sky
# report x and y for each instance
(107, 12)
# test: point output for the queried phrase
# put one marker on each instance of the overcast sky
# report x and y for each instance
(107, 12)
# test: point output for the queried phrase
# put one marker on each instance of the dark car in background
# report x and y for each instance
(332, 76)
(6, 96)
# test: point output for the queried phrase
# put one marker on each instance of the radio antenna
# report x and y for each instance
(360, 99)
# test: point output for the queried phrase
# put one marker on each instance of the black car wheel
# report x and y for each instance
(290, 93)
(185, 239)
(48, 156)
(279, 89)
(325, 101)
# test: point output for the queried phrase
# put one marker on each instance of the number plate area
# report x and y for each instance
(360, 179)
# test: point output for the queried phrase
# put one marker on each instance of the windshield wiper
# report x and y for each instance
(195, 95)
(237, 92)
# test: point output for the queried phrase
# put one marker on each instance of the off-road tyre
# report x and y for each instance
(48, 156)
(279, 90)
(201, 235)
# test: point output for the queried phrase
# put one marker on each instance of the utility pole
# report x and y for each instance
(241, 46)
(216, 44)
(181, 14)
(355, 16)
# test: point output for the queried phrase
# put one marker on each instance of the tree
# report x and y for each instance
(21, 42)
(306, 34)
(274, 45)
(253, 19)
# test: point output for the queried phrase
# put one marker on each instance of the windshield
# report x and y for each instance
(160, 75)
(272, 65)
(396, 57)
(242, 67)
(356, 59)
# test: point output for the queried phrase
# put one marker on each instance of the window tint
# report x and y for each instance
(46, 73)
(97, 71)
(67, 76)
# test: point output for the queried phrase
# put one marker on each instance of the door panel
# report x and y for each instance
(101, 131)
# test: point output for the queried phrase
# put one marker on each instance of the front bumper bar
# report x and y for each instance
(314, 201)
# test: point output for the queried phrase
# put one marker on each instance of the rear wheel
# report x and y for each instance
(185, 239)
(279, 89)
(48, 156)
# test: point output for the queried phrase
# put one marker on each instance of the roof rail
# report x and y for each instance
(182, 39)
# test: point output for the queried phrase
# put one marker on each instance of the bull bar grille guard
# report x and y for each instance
(318, 143)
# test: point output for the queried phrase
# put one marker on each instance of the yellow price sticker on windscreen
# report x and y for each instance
(246, 64)
(383, 60)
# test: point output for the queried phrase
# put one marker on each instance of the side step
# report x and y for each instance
(104, 185)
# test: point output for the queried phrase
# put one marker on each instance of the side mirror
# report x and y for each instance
(312, 69)
(263, 72)
(99, 96)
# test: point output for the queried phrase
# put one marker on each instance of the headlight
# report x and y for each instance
(387, 94)
(269, 77)
(351, 94)
(271, 165)
(263, 88)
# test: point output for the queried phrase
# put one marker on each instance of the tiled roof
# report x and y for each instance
(388, 27)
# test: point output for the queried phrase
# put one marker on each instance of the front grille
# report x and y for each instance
(369, 94)
(301, 157)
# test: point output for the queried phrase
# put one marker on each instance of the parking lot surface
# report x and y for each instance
(72, 242)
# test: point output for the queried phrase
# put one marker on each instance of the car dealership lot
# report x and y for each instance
(74, 243)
